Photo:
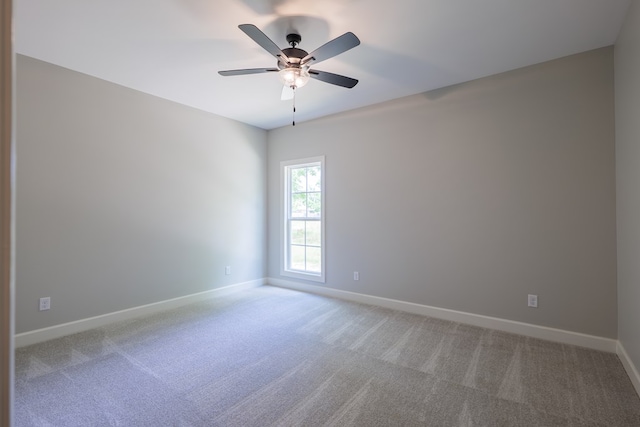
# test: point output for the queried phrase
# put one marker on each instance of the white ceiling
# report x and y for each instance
(174, 48)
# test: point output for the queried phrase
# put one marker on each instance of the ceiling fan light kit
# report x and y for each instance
(294, 64)
(294, 78)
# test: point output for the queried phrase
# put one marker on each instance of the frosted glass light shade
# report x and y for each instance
(294, 77)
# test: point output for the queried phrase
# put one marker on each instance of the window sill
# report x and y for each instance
(303, 276)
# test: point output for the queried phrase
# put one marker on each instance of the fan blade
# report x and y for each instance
(247, 71)
(287, 93)
(334, 79)
(265, 42)
(332, 48)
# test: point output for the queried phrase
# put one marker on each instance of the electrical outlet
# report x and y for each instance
(45, 303)
(356, 275)
(227, 270)
(532, 301)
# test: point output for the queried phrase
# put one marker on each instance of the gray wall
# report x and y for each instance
(627, 83)
(473, 196)
(125, 199)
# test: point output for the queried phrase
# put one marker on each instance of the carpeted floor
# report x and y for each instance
(271, 356)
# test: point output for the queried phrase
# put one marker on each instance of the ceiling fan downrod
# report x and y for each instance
(294, 39)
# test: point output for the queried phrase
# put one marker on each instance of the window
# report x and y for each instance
(303, 237)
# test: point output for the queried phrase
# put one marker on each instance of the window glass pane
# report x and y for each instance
(314, 205)
(313, 178)
(313, 233)
(297, 232)
(314, 259)
(299, 205)
(297, 257)
(298, 180)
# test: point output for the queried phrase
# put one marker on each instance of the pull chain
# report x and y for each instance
(293, 115)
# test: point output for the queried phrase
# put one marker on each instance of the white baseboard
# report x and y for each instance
(526, 329)
(520, 328)
(57, 331)
(631, 369)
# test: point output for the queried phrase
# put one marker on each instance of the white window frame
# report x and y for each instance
(285, 199)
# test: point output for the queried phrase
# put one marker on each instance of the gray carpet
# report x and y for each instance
(271, 356)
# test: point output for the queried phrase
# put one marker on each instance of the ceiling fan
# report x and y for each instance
(293, 64)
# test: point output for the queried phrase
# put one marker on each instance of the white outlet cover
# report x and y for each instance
(45, 303)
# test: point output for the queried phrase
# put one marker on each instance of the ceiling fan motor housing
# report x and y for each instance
(295, 55)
